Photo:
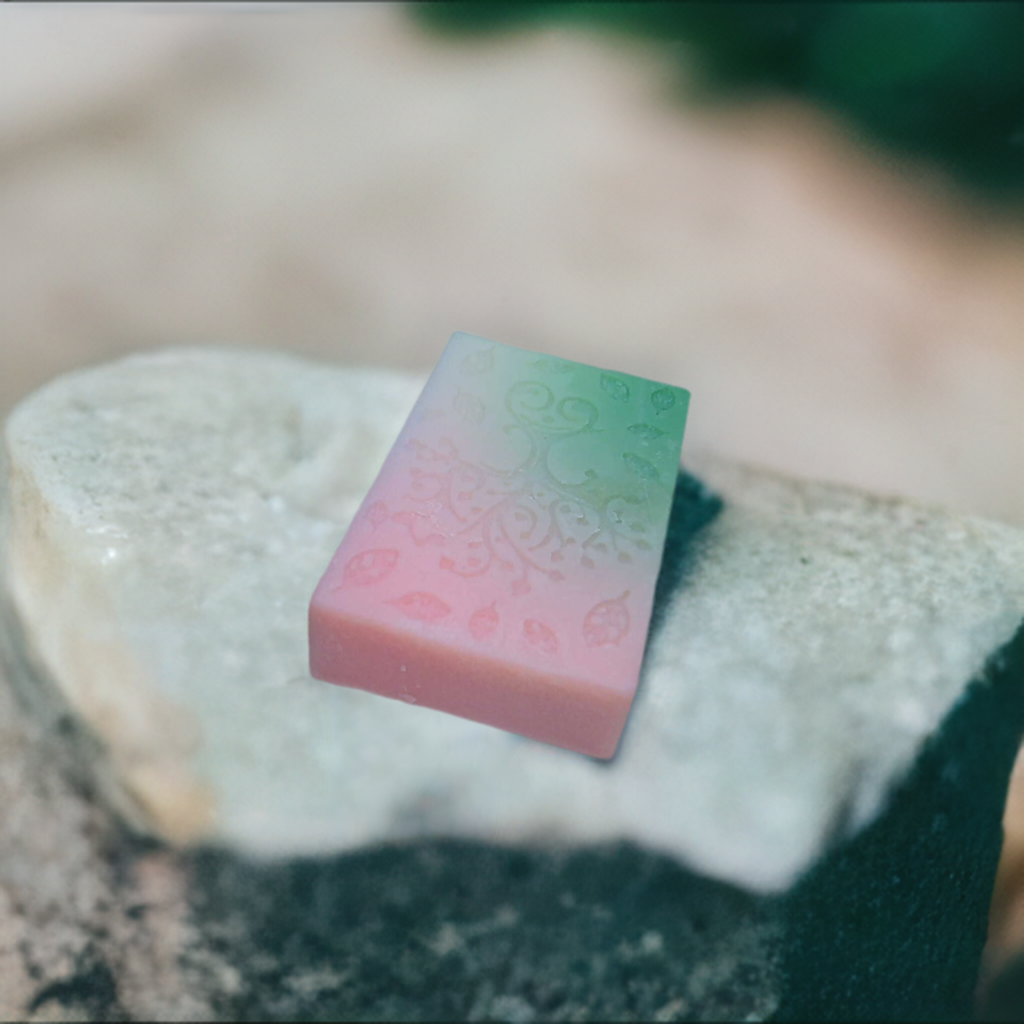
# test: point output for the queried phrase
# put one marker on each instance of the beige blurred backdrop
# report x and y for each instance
(335, 181)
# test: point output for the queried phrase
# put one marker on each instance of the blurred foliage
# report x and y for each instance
(939, 80)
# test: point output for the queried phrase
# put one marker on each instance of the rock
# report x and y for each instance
(443, 930)
(171, 514)
(93, 926)
(890, 924)
(810, 788)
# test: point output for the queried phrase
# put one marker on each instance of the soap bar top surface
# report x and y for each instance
(520, 516)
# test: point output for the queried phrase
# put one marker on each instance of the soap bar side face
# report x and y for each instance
(520, 518)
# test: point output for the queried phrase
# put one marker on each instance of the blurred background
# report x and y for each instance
(810, 215)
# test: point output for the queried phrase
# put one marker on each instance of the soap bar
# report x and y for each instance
(502, 565)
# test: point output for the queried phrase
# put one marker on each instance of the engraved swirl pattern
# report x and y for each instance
(529, 522)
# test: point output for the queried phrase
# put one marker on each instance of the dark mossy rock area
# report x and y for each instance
(459, 931)
(891, 924)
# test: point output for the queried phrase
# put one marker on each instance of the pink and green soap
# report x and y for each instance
(502, 565)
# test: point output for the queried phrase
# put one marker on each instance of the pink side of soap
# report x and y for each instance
(460, 586)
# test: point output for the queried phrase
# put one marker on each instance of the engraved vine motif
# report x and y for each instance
(523, 522)
(535, 411)
(514, 524)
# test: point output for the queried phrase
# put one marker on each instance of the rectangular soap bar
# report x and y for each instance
(502, 566)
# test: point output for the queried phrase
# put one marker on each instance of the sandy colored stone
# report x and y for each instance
(85, 927)
(173, 512)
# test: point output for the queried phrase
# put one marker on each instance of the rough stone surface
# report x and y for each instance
(463, 931)
(891, 924)
(97, 926)
(92, 927)
(172, 512)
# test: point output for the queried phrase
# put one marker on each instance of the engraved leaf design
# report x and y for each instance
(378, 513)
(416, 522)
(607, 622)
(369, 567)
(421, 606)
(538, 635)
(469, 407)
(484, 621)
(645, 432)
(663, 399)
(478, 362)
(640, 466)
(617, 388)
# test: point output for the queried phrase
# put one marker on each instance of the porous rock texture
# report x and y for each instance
(96, 925)
(172, 512)
(820, 667)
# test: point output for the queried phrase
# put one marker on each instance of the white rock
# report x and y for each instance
(171, 514)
